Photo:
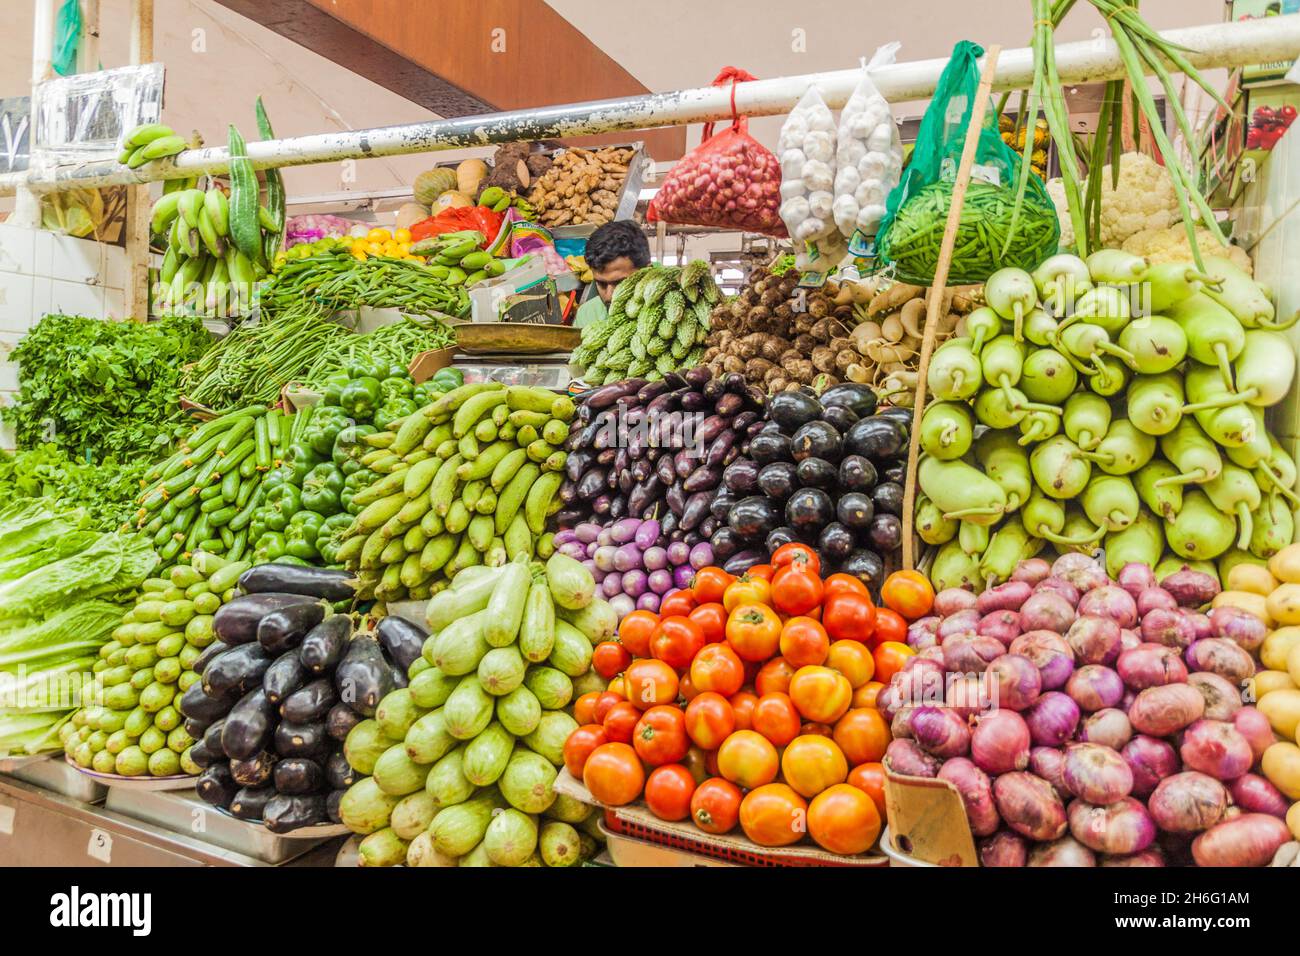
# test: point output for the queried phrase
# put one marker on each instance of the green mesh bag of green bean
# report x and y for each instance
(917, 210)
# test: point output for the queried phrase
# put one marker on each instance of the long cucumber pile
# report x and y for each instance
(1124, 408)
(204, 496)
(469, 479)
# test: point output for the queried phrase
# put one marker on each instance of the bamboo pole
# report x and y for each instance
(137, 197)
(934, 299)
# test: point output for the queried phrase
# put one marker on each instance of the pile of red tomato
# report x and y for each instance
(750, 701)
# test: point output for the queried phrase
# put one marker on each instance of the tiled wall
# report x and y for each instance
(42, 272)
(1268, 224)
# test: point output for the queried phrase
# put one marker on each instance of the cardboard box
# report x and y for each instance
(927, 821)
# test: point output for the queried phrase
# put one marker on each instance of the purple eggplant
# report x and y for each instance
(708, 526)
(622, 461)
(702, 479)
(698, 376)
(713, 389)
(711, 428)
(651, 391)
(725, 542)
(732, 454)
(606, 457)
(577, 463)
(570, 517)
(611, 479)
(676, 499)
(741, 476)
(665, 471)
(569, 492)
(729, 404)
(643, 495)
(684, 464)
(626, 482)
(744, 420)
(668, 525)
(607, 395)
(696, 509)
(618, 507)
(660, 404)
(742, 561)
(721, 502)
(647, 533)
(753, 518)
(641, 469)
(694, 401)
(735, 382)
(591, 483)
(718, 450)
(601, 504)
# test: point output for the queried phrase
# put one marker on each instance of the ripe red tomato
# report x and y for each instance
(717, 668)
(584, 708)
(715, 805)
(614, 775)
(804, 642)
(710, 583)
(863, 735)
(660, 736)
(762, 572)
(742, 705)
(773, 677)
(677, 641)
(890, 626)
(610, 658)
(635, 630)
(796, 555)
(890, 657)
(709, 720)
(909, 593)
(776, 719)
(650, 682)
(668, 792)
(844, 584)
(849, 617)
(870, 779)
(686, 688)
(620, 722)
(754, 632)
(603, 703)
(795, 590)
(712, 619)
(580, 745)
(697, 762)
(678, 604)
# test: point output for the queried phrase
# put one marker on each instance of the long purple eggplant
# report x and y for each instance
(651, 391)
(577, 463)
(569, 491)
(711, 428)
(696, 510)
(685, 462)
(718, 450)
(676, 499)
(698, 376)
(601, 504)
(606, 457)
(591, 483)
(643, 495)
(665, 470)
(702, 479)
(729, 404)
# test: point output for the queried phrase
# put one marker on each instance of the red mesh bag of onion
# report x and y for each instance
(730, 180)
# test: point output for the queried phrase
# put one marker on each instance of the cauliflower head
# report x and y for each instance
(1144, 200)
(1170, 245)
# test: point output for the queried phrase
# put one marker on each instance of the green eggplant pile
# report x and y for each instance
(1111, 404)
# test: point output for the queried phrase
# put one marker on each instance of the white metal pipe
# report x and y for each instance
(1213, 45)
(27, 205)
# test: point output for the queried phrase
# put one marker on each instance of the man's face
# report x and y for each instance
(608, 278)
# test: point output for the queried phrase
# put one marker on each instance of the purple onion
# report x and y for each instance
(654, 558)
(1095, 687)
(1053, 719)
(587, 532)
(1097, 774)
(627, 557)
(660, 581)
(1049, 653)
(624, 530)
(1013, 681)
(1155, 597)
(1151, 760)
(1135, 577)
(940, 731)
(701, 555)
(647, 534)
(1108, 727)
(622, 605)
(683, 576)
(679, 552)
(1049, 763)
(648, 602)
(634, 582)
(612, 585)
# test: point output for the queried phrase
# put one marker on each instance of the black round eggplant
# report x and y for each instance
(365, 674)
(236, 621)
(725, 542)
(250, 802)
(753, 518)
(722, 503)
(340, 720)
(809, 510)
(401, 640)
(860, 398)
(886, 532)
(236, 672)
(835, 543)
(780, 536)
(895, 471)
(792, 409)
(284, 629)
(216, 786)
(212, 740)
(301, 740)
(284, 813)
(284, 676)
(855, 510)
(254, 771)
(876, 438)
(767, 447)
(897, 413)
(199, 706)
(817, 439)
(857, 473)
(866, 566)
(888, 498)
(741, 476)
(778, 480)
(817, 473)
(839, 417)
(708, 526)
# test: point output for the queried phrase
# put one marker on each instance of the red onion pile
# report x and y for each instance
(730, 180)
(1091, 722)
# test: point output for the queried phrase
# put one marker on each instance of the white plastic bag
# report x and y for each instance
(868, 155)
(807, 150)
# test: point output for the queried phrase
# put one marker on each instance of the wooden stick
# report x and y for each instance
(934, 299)
(138, 207)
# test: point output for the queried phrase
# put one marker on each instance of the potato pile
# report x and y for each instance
(781, 337)
(581, 186)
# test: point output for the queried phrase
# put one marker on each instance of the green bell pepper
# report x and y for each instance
(320, 489)
(300, 537)
(391, 388)
(360, 397)
(351, 485)
(333, 387)
(348, 447)
(366, 367)
(325, 426)
(302, 459)
(332, 535)
(282, 503)
(269, 547)
(277, 476)
(449, 378)
(393, 409)
(291, 559)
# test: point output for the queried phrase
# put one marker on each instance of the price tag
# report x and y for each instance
(6, 820)
(861, 246)
(987, 174)
(100, 847)
(812, 280)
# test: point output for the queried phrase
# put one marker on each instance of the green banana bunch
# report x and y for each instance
(148, 142)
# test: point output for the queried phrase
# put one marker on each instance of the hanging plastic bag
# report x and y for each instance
(807, 150)
(910, 236)
(458, 219)
(868, 154)
(730, 180)
(67, 39)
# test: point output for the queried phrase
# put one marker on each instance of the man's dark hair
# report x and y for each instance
(614, 240)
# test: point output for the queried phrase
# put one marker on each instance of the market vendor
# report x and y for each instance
(614, 252)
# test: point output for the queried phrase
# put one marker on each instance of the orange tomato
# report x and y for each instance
(742, 706)
(812, 727)
(853, 660)
(609, 658)
(762, 572)
(712, 619)
(635, 631)
(774, 815)
(580, 745)
(849, 617)
(709, 584)
(710, 762)
(603, 703)
(715, 805)
(614, 775)
(709, 720)
(804, 642)
(773, 677)
(796, 555)
(746, 590)
(776, 719)
(620, 722)
(753, 631)
(865, 696)
(686, 688)
(748, 759)
(812, 763)
(820, 694)
(584, 708)
(909, 593)
(890, 626)
(870, 779)
(863, 735)
(668, 792)
(697, 762)
(650, 682)
(660, 736)
(676, 641)
(796, 590)
(616, 687)
(717, 668)
(844, 584)
(843, 819)
(890, 658)
(677, 604)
